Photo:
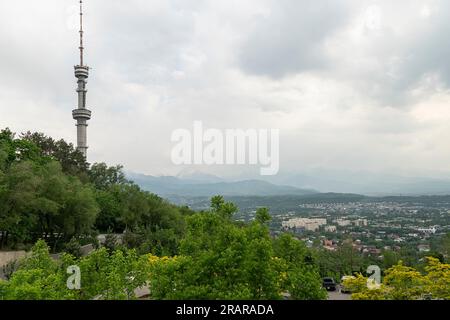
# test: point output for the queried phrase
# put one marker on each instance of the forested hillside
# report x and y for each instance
(48, 191)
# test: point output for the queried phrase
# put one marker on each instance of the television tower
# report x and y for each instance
(82, 114)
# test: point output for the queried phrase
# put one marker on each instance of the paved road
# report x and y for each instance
(143, 293)
(337, 295)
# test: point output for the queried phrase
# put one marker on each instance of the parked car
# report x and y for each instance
(343, 288)
(329, 284)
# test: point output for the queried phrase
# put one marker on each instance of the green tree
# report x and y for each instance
(104, 276)
(390, 258)
(103, 177)
(303, 279)
(37, 197)
(293, 251)
(262, 215)
(71, 160)
(260, 274)
(18, 195)
(218, 260)
(305, 283)
(221, 259)
(223, 208)
(112, 276)
(38, 278)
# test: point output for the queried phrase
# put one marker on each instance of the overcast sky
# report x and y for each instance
(360, 85)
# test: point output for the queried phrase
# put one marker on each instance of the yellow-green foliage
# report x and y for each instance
(437, 280)
(405, 283)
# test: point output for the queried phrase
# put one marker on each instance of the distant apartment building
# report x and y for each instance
(330, 228)
(309, 224)
(329, 245)
(371, 250)
(347, 222)
(423, 248)
(427, 230)
(343, 222)
(360, 223)
(413, 235)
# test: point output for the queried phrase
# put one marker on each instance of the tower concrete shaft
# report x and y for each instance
(82, 114)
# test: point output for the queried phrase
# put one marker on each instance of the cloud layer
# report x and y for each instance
(355, 85)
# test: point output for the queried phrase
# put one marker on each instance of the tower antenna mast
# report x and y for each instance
(81, 33)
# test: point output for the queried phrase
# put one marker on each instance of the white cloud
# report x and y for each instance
(351, 84)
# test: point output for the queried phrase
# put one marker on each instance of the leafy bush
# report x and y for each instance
(406, 283)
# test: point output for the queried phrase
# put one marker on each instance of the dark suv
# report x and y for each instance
(329, 284)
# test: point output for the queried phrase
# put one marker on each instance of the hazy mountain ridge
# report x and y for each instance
(362, 182)
(167, 186)
(197, 184)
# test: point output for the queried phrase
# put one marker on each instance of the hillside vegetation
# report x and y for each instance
(51, 201)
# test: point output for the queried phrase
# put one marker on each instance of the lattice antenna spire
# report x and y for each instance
(81, 33)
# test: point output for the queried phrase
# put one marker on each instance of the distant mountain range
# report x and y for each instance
(207, 186)
(197, 184)
(366, 183)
